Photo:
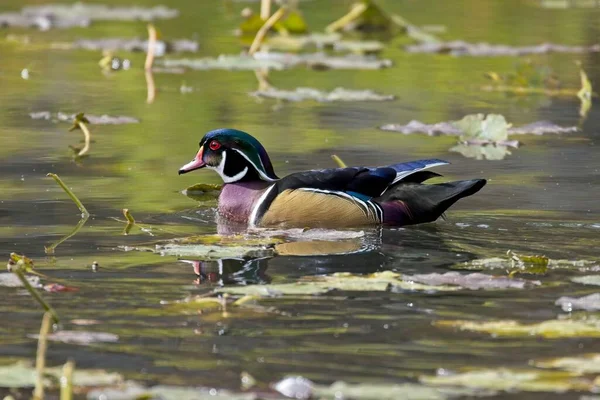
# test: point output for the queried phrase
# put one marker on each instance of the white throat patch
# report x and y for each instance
(221, 171)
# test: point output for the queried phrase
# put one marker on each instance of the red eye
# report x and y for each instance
(214, 145)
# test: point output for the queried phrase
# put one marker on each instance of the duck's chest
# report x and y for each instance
(237, 200)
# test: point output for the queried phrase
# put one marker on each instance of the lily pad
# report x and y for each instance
(589, 303)
(510, 380)
(21, 375)
(49, 16)
(81, 337)
(321, 41)
(472, 281)
(298, 387)
(552, 329)
(134, 391)
(212, 252)
(482, 49)
(9, 279)
(132, 45)
(587, 280)
(278, 61)
(584, 364)
(338, 94)
(449, 128)
(523, 264)
(92, 119)
(492, 128)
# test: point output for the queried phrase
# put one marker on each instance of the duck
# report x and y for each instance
(392, 195)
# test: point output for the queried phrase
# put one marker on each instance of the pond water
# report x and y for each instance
(541, 199)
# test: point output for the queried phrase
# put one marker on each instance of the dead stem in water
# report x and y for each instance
(262, 32)
(40, 359)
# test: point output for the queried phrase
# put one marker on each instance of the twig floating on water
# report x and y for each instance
(84, 211)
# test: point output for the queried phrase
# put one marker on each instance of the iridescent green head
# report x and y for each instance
(235, 155)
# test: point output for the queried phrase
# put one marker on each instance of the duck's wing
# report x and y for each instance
(348, 190)
(404, 170)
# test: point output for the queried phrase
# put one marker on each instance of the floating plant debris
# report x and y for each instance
(584, 364)
(511, 380)
(450, 128)
(552, 329)
(587, 280)
(81, 337)
(338, 94)
(531, 264)
(472, 281)
(322, 41)
(279, 61)
(49, 16)
(298, 387)
(93, 119)
(132, 45)
(588, 303)
(482, 49)
(380, 281)
(22, 375)
(480, 136)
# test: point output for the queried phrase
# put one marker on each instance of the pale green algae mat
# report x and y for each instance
(501, 299)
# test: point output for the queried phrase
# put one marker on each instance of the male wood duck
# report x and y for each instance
(340, 197)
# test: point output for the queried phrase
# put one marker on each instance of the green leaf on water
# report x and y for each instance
(552, 329)
(293, 22)
(477, 127)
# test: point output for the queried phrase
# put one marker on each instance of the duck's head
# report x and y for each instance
(235, 155)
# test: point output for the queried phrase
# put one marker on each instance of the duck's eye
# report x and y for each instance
(214, 145)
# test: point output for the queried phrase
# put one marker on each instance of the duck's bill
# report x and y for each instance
(196, 163)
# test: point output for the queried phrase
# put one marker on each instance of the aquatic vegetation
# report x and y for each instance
(321, 41)
(450, 128)
(583, 364)
(45, 17)
(20, 264)
(530, 264)
(22, 375)
(80, 337)
(80, 122)
(588, 303)
(367, 16)
(338, 94)
(511, 380)
(473, 281)
(587, 280)
(298, 387)
(92, 119)
(278, 61)
(482, 49)
(480, 137)
(551, 329)
(161, 47)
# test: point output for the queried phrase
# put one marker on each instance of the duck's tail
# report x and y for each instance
(414, 203)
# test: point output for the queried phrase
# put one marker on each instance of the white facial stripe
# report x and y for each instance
(254, 213)
(259, 170)
(221, 170)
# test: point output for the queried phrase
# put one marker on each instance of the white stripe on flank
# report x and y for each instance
(261, 199)
(259, 170)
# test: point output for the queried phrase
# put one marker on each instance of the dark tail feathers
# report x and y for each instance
(426, 203)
